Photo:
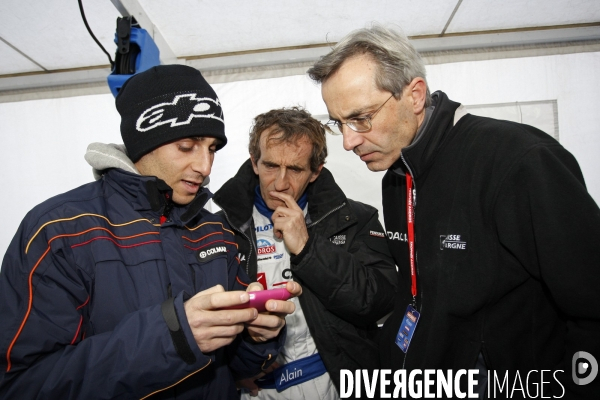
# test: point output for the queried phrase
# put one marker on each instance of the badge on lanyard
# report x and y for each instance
(407, 328)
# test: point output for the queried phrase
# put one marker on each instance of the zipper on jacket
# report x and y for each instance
(167, 209)
(326, 215)
(414, 193)
(252, 244)
(244, 234)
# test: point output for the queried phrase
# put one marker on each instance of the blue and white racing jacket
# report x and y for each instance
(92, 297)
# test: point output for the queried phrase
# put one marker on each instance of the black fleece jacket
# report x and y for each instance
(523, 288)
(347, 285)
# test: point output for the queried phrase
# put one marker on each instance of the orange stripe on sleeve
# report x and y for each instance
(80, 216)
(78, 329)
(204, 245)
(116, 244)
(203, 237)
(30, 279)
(176, 383)
(84, 304)
(8, 363)
(240, 282)
(210, 223)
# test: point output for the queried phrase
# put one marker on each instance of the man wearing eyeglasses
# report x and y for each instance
(490, 224)
(293, 222)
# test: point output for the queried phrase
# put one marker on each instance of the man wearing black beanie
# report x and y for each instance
(117, 289)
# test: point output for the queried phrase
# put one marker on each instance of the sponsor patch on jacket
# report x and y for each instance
(401, 236)
(265, 247)
(377, 234)
(264, 228)
(338, 239)
(205, 255)
(452, 242)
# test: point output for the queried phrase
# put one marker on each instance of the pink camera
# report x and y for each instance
(260, 297)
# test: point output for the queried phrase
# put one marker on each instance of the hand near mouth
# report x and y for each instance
(289, 224)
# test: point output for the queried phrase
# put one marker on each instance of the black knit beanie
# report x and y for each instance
(167, 103)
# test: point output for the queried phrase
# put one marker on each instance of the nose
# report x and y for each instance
(351, 138)
(281, 180)
(202, 163)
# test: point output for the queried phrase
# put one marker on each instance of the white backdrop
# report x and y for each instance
(43, 141)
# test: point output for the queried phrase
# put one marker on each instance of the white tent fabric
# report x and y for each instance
(43, 141)
(48, 36)
(45, 44)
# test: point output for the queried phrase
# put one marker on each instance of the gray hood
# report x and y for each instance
(102, 156)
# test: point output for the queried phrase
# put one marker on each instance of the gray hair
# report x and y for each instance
(398, 61)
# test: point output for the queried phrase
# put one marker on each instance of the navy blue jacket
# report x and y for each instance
(92, 291)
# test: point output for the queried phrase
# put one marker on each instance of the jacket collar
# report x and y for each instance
(420, 154)
(150, 194)
(324, 195)
(236, 196)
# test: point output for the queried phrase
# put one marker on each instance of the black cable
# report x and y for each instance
(112, 64)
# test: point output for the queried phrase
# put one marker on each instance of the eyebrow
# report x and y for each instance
(272, 164)
(353, 114)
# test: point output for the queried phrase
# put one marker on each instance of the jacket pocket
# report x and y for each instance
(126, 277)
(208, 268)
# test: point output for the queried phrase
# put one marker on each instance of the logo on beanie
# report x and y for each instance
(181, 111)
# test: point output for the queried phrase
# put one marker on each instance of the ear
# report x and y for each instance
(418, 89)
(254, 166)
(315, 175)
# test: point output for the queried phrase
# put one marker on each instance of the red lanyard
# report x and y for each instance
(410, 217)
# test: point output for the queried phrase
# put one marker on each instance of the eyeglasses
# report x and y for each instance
(358, 124)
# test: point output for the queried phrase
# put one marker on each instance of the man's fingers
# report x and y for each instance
(286, 198)
(265, 326)
(212, 344)
(268, 325)
(254, 287)
(222, 318)
(280, 306)
(218, 300)
(294, 288)
(214, 289)
(284, 306)
(221, 332)
(269, 322)
(230, 317)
